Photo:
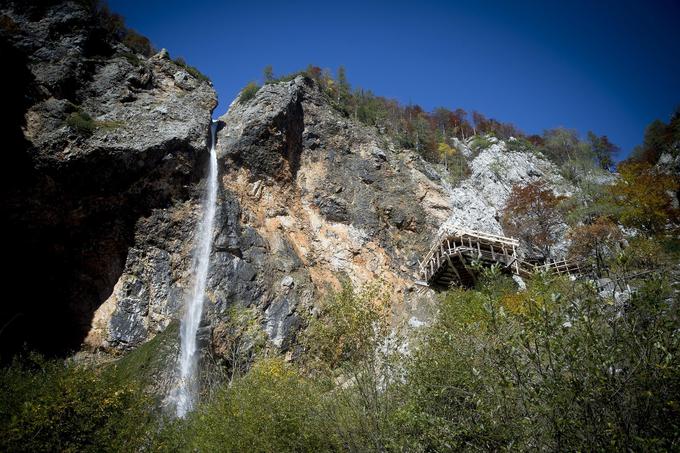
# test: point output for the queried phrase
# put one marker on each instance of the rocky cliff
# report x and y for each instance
(101, 140)
(103, 194)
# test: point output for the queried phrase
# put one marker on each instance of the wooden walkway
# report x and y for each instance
(450, 260)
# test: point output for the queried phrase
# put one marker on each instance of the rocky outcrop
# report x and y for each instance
(102, 139)
(328, 199)
(108, 152)
(478, 201)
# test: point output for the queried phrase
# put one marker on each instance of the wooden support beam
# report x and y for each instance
(460, 280)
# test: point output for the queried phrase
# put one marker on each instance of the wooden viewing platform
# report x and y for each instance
(449, 260)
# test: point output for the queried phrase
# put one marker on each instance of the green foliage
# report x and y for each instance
(268, 74)
(498, 167)
(409, 126)
(239, 341)
(643, 196)
(272, 408)
(81, 122)
(114, 26)
(554, 368)
(146, 361)
(520, 144)
(480, 143)
(191, 69)
(348, 326)
(248, 92)
(458, 168)
(659, 138)
(138, 43)
(52, 406)
(603, 149)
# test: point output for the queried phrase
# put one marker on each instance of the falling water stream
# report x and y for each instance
(185, 393)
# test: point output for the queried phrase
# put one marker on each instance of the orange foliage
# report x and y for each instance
(532, 214)
(594, 240)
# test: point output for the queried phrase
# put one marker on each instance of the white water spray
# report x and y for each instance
(184, 395)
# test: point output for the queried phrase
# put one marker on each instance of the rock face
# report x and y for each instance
(320, 200)
(478, 202)
(103, 212)
(104, 147)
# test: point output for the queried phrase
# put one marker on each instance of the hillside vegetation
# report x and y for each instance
(552, 364)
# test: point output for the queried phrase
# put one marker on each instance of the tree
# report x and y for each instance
(268, 73)
(643, 195)
(596, 240)
(560, 144)
(445, 151)
(603, 149)
(532, 213)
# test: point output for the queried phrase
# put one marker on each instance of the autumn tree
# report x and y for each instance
(643, 197)
(595, 241)
(533, 214)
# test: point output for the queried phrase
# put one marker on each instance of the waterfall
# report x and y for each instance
(185, 393)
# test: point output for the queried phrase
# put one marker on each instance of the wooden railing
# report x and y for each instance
(453, 251)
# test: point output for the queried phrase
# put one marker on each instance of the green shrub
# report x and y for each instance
(191, 69)
(52, 406)
(81, 122)
(498, 167)
(520, 144)
(84, 125)
(248, 92)
(138, 43)
(480, 143)
(348, 327)
(272, 408)
(555, 367)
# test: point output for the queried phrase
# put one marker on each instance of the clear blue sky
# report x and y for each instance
(607, 66)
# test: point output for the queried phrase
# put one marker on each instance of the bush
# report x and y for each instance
(191, 69)
(248, 92)
(480, 143)
(52, 406)
(552, 368)
(520, 145)
(81, 122)
(272, 408)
